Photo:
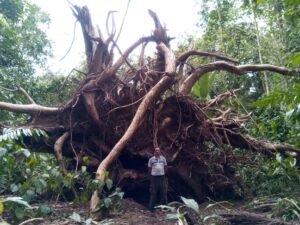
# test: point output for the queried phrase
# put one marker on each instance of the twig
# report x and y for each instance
(7, 89)
(112, 70)
(21, 90)
(125, 106)
(67, 77)
(113, 30)
(26, 95)
(121, 53)
(123, 21)
(31, 220)
(72, 42)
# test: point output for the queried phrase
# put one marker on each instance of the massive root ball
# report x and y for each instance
(121, 110)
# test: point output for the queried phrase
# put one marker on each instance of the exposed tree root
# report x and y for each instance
(58, 152)
(119, 113)
(246, 218)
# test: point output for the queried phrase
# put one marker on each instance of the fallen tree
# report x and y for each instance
(121, 110)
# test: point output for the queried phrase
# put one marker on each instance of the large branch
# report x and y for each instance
(189, 82)
(28, 108)
(84, 17)
(161, 86)
(112, 70)
(220, 98)
(238, 140)
(243, 217)
(184, 56)
(260, 145)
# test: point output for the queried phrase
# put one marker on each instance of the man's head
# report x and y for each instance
(157, 151)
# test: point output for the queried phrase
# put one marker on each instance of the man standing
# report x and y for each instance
(157, 167)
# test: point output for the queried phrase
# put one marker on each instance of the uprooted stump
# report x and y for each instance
(121, 110)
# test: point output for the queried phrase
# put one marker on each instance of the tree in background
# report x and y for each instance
(24, 48)
(253, 32)
(25, 43)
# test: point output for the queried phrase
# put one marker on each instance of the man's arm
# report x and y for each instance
(166, 166)
(149, 167)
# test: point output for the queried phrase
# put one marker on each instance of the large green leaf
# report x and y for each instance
(296, 60)
(1, 208)
(75, 217)
(202, 88)
(191, 203)
(18, 200)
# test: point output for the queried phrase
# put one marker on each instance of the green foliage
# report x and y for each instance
(287, 209)
(36, 176)
(49, 89)
(203, 86)
(181, 212)
(295, 60)
(227, 31)
(191, 203)
(53, 89)
(278, 116)
(19, 133)
(110, 197)
(279, 176)
(289, 98)
(17, 209)
(14, 204)
(228, 27)
(30, 175)
(271, 123)
(21, 21)
(75, 217)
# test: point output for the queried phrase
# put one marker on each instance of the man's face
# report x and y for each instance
(157, 151)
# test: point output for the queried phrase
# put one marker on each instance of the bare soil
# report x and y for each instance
(133, 214)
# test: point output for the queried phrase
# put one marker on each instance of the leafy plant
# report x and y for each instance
(19, 133)
(111, 197)
(277, 176)
(77, 218)
(32, 176)
(179, 213)
(287, 208)
(203, 86)
(16, 205)
(276, 181)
